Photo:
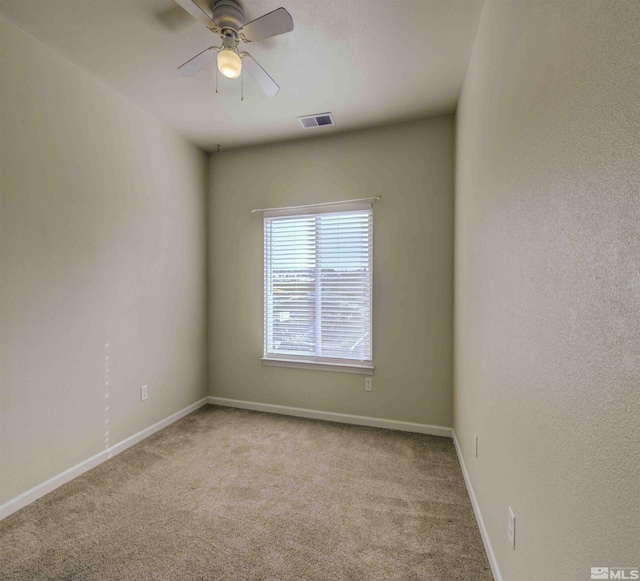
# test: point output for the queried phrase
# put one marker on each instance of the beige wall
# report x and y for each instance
(411, 166)
(102, 266)
(547, 350)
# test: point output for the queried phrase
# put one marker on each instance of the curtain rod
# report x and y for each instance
(373, 199)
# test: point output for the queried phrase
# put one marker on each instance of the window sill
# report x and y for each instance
(359, 368)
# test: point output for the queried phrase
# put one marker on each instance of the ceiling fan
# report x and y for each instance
(228, 21)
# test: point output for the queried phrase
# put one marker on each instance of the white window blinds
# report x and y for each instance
(317, 286)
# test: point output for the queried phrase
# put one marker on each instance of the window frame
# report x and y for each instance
(342, 365)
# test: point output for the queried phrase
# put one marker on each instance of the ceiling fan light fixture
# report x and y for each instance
(229, 63)
(227, 20)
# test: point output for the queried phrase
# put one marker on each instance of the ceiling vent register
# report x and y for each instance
(318, 120)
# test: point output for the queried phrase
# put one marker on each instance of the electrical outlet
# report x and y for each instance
(367, 383)
(512, 528)
(143, 392)
(475, 437)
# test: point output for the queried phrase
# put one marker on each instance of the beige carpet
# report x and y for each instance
(233, 495)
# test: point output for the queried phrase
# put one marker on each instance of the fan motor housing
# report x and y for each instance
(228, 14)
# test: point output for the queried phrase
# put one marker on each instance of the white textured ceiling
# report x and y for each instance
(369, 62)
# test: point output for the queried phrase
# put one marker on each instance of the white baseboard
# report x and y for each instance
(476, 509)
(333, 417)
(40, 490)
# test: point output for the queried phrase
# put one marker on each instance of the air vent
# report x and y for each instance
(318, 120)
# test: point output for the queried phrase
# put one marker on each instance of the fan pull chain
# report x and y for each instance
(216, 79)
(242, 84)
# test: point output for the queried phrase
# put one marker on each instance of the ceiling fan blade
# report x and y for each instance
(198, 62)
(174, 17)
(272, 24)
(259, 75)
(192, 8)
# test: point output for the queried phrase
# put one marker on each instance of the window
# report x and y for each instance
(317, 287)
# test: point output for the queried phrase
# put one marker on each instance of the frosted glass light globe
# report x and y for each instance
(229, 63)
